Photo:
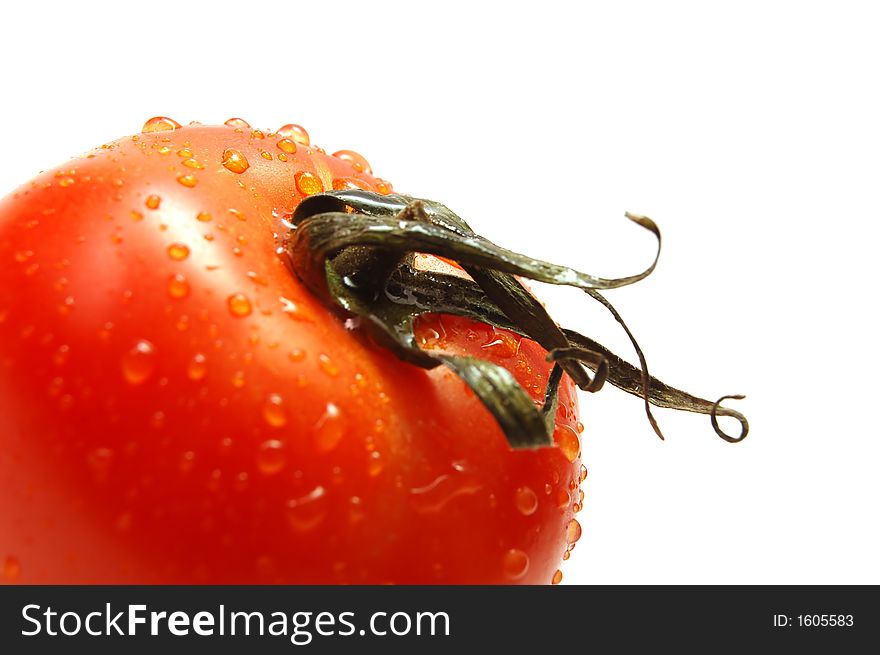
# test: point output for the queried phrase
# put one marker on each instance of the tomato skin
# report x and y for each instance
(177, 408)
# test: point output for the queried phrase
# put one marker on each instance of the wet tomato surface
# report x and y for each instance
(178, 408)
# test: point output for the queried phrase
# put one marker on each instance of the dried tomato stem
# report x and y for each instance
(354, 250)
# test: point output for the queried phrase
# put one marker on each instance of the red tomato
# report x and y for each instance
(177, 408)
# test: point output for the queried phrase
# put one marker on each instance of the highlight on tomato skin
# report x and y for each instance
(179, 408)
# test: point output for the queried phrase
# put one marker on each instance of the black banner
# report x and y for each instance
(432, 619)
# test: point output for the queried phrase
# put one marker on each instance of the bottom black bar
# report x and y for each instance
(431, 619)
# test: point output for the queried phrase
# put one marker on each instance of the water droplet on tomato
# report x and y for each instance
(238, 122)
(187, 461)
(271, 457)
(296, 355)
(178, 251)
(152, 201)
(160, 124)
(526, 501)
(287, 145)
(188, 180)
(178, 287)
(566, 555)
(329, 429)
(274, 411)
(139, 363)
(567, 440)
(306, 512)
(383, 187)
(233, 160)
(562, 498)
(99, 461)
(573, 531)
(515, 563)
(239, 305)
(238, 380)
(295, 132)
(308, 183)
(66, 181)
(580, 427)
(265, 155)
(11, 568)
(258, 134)
(557, 577)
(328, 365)
(375, 464)
(197, 367)
(193, 163)
(583, 475)
(502, 345)
(357, 161)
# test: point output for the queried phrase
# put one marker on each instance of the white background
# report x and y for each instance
(750, 132)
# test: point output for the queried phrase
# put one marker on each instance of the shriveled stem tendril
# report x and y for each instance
(354, 250)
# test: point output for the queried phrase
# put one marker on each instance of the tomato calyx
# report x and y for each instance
(354, 250)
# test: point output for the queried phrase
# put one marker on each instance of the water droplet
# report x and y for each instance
(344, 183)
(435, 497)
(203, 217)
(356, 160)
(187, 180)
(234, 161)
(11, 568)
(197, 367)
(548, 489)
(287, 145)
(66, 181)
(238, 380)
(271, 457)
(160, 124)
(178, 287)
(164, 150)
(187, 461)
(566, 555)
(193, 163)
(383, 187)
(583, 475)
(258, 134)
(296, 355)
(237, 214)
(256, 278)
(306, 512)
(375, 464)
(515, 563)
(580, 427)
(178, 251)
(329, 429)
(152, 201)
(328, 365)
(567, 440)
(557, 577)
(238, 122)
(526, 501)
(308, 183)
(502, 345)
(274, 411)
(99, 461)
(139, 362)
(239, 305)
(562, 498)
(573, 531)
(295, 132)
(265, 155)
